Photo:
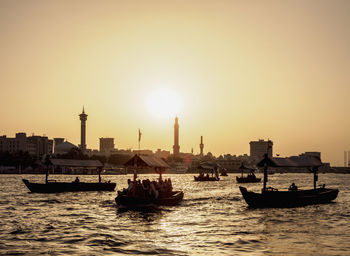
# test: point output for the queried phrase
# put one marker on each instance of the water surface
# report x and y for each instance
(212, 219)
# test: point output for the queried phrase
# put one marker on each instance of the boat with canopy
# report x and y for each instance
(53, 186)
(250, 178)
(205, 169)
(271, 197)
(146, 193)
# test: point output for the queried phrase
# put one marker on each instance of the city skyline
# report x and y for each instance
(232, 72)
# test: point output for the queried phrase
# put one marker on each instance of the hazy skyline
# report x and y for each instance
(232, 71)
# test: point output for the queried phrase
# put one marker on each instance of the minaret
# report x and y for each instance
(201, 146)
(176, 146)
(83, 118)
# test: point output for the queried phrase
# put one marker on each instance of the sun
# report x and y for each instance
(163, 103)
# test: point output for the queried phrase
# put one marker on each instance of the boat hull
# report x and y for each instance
(142, 202)
(286, 199)
(247, 180)
(198, 178)
(59, 187)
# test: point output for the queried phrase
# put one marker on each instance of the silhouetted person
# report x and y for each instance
(293, 187)
(77, 180)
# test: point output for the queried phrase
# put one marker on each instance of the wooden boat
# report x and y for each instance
(58, 187)
(247, 179)
(271, 197)
(206, 178)
(51, 186)
(142, 197)
(140, 202)
(250, 178)
(206, 168)
(275, 198)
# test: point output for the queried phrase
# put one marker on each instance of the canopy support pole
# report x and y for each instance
(47, 175)
(315, 170)
(99, 175)
(265, 171)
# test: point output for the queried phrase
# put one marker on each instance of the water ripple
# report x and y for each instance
(212, 219)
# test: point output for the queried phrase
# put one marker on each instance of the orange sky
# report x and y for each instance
(240, 70)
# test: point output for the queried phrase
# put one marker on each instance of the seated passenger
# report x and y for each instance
(130, 185)
(293, 187)
(76, 180)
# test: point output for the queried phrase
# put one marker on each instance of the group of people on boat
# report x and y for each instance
(201, 175)
(149, 189)
(251, 175)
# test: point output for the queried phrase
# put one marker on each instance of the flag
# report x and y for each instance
(140, 135)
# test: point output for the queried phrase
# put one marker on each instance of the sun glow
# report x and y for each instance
(164, 103)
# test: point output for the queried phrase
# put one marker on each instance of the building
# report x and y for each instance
(63, 148)
(232, 163)
(176, 147)
(58, 141)
(201, 147)
(259, 148)
(39, 145)
(143, 152)
(34, 145)
(19, 143)
(83, 118)
(106, 145)
(306, 154)
(162, 153)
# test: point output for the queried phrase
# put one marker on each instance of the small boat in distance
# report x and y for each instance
(74, 186)
(206, 168)
(52, 186)
(271, 197)
(250, 178)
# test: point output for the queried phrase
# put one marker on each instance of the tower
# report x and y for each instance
(201, 146)
(83, 118)
(176, 147)
(345, 158)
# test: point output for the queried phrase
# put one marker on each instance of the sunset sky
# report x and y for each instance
(233, 71)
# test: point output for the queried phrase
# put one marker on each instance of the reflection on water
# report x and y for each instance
(212, 219)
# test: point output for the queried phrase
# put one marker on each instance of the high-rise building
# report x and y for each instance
(259, 148)
(176, 147)
(106, 144)
(34, 145)
(83, 118)
(201, 146)
(40, 145)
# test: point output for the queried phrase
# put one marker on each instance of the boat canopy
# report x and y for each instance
(76, 163)
(246, 167)
(294, 161)
(146, 161)
(208, 166)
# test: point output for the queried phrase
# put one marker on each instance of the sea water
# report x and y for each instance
(213, 219)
